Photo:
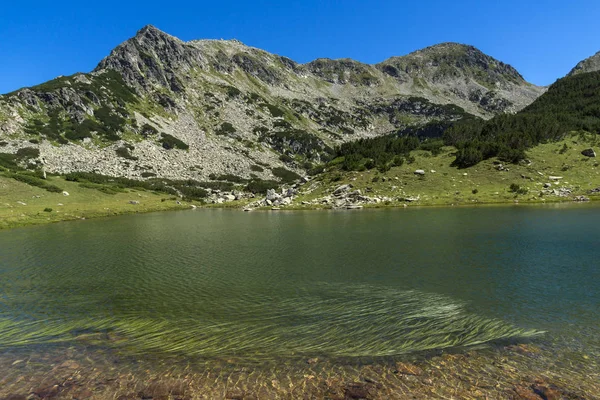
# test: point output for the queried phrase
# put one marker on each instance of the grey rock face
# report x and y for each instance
(590, 64)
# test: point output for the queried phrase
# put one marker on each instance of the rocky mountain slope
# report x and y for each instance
(590, 64)
(158, 106)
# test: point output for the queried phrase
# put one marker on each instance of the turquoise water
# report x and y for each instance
(222, 283)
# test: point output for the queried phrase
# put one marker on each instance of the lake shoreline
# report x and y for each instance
(97, 213)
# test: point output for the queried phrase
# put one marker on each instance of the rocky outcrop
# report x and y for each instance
(590, 64)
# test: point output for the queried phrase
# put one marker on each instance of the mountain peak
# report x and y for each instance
(150, 58)
(590, 64)
(150, 32)
(450, 60)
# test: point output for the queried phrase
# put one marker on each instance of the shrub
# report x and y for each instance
(434, 146)
(475, 191)
(467, 157)
(171, 142)
(281, 123)
(124, 151)
(27, 153)
(193, 193)
(232, 91)
(285, 158)
(260, 130)
(230, 178)
(35, 181)
(225, 129)
(352, 162)
(256, 168)
(274, 110)
(47, 209)
(260, 186)
(285, 175)
(316, 170)
(217, 185)
(564, 149)
(110, 121)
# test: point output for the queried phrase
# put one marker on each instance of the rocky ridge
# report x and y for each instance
(160, 107)
(590, 64)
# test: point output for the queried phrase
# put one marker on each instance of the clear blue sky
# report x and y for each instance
(543, 39)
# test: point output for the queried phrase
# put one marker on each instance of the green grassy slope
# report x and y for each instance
(482, 183)
(81, 202)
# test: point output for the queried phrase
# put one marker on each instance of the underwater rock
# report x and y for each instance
(408, 369)
(357, 390)
(15, 397)
(47, 392)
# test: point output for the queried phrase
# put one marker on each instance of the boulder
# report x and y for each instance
(354, 207)
(589, 153)
(229, 197)
(65, 193)
(581, 198)
(272, 195)
(134, 202)
(342, 189)
(419, 172)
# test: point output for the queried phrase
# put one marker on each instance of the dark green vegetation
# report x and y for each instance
(148, 130)
(225, 129)
(15, 166)
(382, 153)
(260, 186)
(188, 189)
(105, 95)
(33, 179)
(125, 151)
(285, 175)
(254, 184)
(297, 141)
(571, 104)
(171, 142)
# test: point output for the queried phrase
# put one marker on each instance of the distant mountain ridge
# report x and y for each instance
(159, 106)
(590, 64)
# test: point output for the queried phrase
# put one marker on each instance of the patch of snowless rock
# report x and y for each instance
(206, 155)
